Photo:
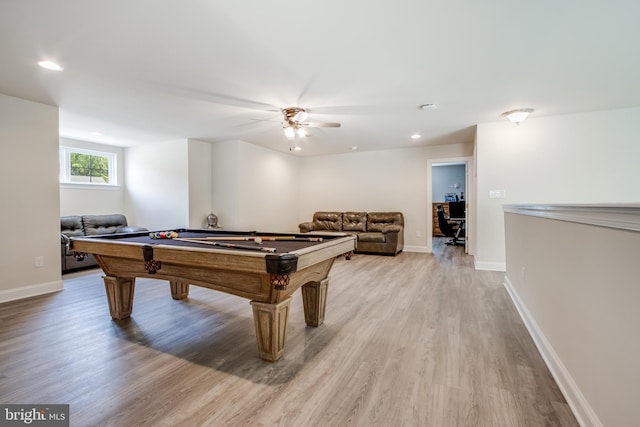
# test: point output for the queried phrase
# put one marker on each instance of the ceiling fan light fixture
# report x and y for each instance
(301, 132)
(300, 116)
(289, 132)
(518, 116)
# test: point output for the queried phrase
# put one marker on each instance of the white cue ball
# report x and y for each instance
(258, 240)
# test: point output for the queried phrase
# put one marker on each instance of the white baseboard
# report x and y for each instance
(421, 249)
(579, 405)
(490, 266)
(31, 291)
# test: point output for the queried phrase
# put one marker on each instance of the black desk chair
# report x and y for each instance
(448, 229)
(457, 209)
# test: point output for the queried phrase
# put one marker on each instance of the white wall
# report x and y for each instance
(29, 188)
(85, 200)
(389, 180)
(200, 183)
(254, 188)
(578, 158)
(157, 185)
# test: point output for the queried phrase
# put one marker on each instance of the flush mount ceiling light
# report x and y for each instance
(416, 136)
(50, 65)
(518, 116)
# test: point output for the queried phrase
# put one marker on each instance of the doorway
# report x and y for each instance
(449, 180)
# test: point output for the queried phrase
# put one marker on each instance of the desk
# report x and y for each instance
(267, 279)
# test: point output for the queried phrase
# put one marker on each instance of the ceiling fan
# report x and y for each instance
(295, 122)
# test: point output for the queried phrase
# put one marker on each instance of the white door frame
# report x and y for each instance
(469, 197)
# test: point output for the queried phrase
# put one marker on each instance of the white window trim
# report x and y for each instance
(65, 169)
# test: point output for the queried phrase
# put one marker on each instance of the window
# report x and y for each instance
(79, 166)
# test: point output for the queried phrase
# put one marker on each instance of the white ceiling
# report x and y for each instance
(147, 71)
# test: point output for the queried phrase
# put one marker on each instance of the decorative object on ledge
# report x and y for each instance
(518, 116)
(212, 221)
(623, 216)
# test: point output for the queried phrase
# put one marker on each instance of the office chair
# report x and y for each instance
(447, 228)
(457, 209)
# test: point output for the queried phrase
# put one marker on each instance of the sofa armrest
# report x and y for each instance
(391, 228)
(64, 239)
(130, 229)
(306, 227)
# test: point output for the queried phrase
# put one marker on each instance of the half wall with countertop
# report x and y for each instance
(574, 275)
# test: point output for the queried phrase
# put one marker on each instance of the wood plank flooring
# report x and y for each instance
(412, 340)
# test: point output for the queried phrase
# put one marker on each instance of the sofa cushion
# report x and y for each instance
(71, 225)
(331, 221)
(103, 224)
(372, 237)
(354, 221)
(376, 221)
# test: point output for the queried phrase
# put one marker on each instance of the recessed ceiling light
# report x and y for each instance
(416, 136)
(428, 106)
(354, 148)
(50, 65)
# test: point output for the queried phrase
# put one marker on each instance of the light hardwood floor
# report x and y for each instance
(412, 340)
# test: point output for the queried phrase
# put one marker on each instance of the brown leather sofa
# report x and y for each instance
(88, 225)
(376, 232)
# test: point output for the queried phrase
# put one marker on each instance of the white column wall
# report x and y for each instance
(254, 188)
(157, 185)
(30, 190)
(200, 183)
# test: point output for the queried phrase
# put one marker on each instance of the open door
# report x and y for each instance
(448, 181)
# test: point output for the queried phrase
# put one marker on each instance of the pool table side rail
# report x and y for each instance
(209, 256)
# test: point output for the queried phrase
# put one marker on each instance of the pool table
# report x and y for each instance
(266, 268)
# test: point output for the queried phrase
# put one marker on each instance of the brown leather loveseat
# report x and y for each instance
(376, 232)
(88, 225)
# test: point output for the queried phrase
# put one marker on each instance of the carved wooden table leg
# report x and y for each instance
(120, 296)
(314, 300)
(179, 290)
(271, 328)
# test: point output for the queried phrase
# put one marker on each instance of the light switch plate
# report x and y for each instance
(497, 194)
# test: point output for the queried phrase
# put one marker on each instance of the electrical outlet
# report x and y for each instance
(39, 261)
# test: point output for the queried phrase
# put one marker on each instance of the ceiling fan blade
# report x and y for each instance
(320, 125)
(222, 99)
